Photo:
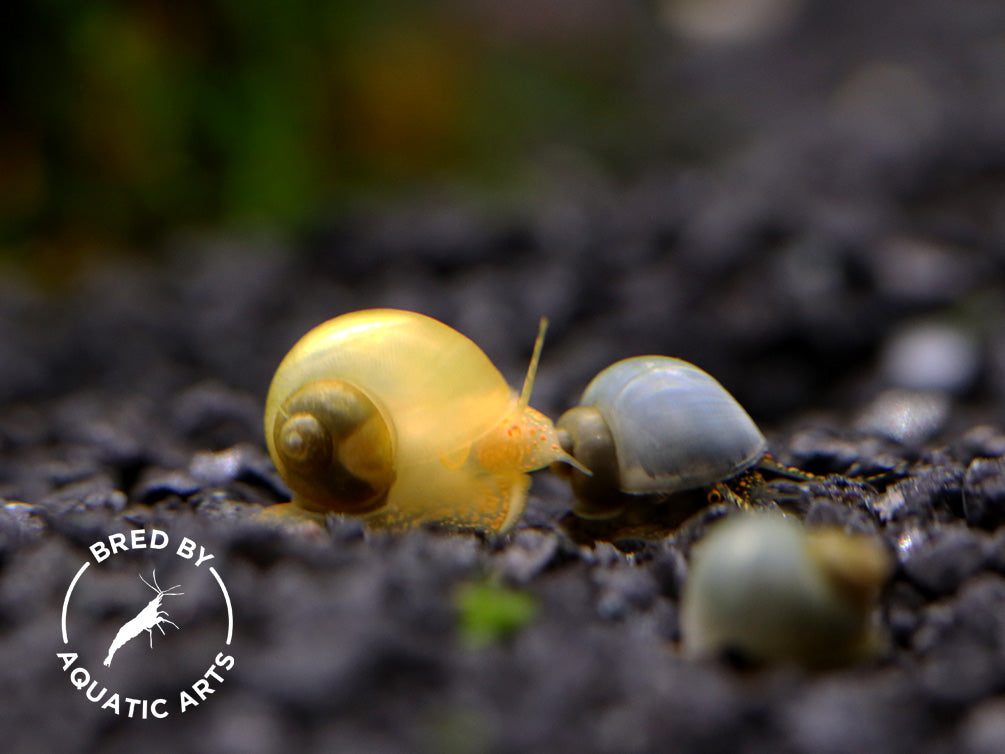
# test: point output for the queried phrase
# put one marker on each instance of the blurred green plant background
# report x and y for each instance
(121, 120)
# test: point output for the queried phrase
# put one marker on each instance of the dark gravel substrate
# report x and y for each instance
(845, 282)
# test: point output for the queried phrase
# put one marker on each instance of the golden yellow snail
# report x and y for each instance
(762, 587)
(396, 417)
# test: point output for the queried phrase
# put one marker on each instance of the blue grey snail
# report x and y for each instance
(763, 588)
(662, 440)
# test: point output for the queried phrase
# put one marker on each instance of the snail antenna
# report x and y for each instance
(528, 383)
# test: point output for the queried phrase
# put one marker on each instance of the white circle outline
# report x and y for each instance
(66, 599)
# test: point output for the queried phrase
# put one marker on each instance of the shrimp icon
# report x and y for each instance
(145, 620)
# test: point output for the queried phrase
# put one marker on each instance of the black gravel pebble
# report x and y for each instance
(945, 560)
(984, 493)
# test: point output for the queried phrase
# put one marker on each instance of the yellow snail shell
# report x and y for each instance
(396, 417)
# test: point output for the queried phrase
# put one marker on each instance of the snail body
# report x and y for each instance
(763, 588)
(655, 425)
(395, 416)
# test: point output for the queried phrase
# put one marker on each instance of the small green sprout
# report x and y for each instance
(490, 613)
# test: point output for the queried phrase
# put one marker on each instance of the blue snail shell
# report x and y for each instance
(674, 426)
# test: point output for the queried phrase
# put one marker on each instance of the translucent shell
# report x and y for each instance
(761, 586)
(674, 427)
(395, 416)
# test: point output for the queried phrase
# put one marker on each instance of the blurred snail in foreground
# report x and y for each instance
(396, 417)
(763, 588)
(652, 427)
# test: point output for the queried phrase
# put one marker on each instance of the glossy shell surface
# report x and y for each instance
(674, 426)
(762, 586)
(461, 441)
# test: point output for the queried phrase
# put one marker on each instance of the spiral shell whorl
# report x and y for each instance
(334, 448)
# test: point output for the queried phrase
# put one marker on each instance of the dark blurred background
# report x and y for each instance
(803, 196)
(123, 120)
(120, 121)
